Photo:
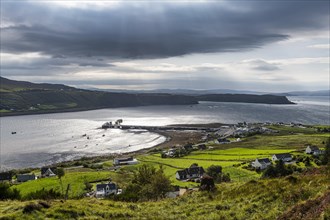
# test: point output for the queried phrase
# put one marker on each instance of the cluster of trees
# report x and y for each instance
(216, 173)
(278, 170)
(148, 183)
(323, 129)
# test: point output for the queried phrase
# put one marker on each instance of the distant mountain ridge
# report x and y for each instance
(218, 91)
(306, 93)
(20, 97)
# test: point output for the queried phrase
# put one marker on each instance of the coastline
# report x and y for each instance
(173, 138)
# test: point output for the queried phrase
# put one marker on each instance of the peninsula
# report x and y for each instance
(20, 97)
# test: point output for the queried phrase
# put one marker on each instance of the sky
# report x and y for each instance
(269, 46)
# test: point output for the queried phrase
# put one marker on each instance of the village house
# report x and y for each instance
(105, 189)
(170, 153)
(124, 161)
(222, 141)
(5, 176)
(192, 172)
(25, 177)
(313, 150)
(285, 157)
(261, 163)
(201, 147)
(48, 171)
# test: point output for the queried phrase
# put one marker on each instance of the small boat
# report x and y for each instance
(13, 132)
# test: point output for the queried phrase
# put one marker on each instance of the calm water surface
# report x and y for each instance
(48, 138)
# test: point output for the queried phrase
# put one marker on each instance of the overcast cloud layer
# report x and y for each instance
(102, 42)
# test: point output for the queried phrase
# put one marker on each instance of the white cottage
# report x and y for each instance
(313, 150)
(284, 157)
(261, 163)
(103, 190)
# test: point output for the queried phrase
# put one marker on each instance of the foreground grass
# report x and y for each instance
(262, 199)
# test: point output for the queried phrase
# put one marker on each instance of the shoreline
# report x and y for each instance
(173, 138)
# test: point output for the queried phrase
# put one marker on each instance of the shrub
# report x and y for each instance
(207, 183)
(32, 207)
(44, 204)
(88, 186)
(326, 155)
(292, 179)
(7, 193)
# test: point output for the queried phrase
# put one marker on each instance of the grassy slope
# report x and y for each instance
(262, 199)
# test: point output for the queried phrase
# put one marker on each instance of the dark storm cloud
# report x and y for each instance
(155, 30)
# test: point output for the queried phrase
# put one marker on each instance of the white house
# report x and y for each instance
(103, 190)
(48, 171)
(192, 172)
(261, 163)
(284, 157)
(124, 161)
(313, 150)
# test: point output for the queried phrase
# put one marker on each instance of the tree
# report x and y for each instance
(60, 173)
(144, 174)
(207, 183)
(215, 172)
(308, 162)
(160, 184)
(148, 183)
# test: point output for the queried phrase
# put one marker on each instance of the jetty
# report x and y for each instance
(116, 125)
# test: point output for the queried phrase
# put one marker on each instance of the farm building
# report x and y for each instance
(124, 161)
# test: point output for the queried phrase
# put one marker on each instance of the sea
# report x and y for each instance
(50, 138)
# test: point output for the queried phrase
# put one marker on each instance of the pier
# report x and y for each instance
(155, 128)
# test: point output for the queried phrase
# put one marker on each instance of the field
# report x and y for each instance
(75, 178)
